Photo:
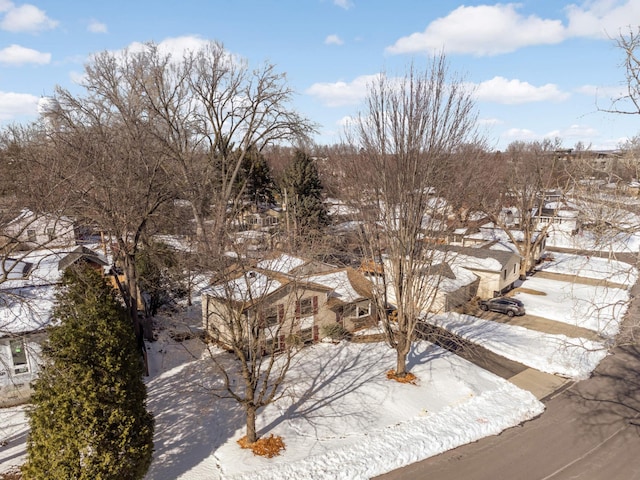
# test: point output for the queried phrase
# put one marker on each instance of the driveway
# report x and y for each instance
(540, 324)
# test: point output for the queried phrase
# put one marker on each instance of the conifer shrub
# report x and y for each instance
(88, 416)
(335, 332)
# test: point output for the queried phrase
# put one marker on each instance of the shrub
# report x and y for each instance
(88, 418)
(335, 331)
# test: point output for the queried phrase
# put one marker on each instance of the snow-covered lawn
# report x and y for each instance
(575, 358)
(610, 270)
(596, 308)
(586, 240)
(340, 417)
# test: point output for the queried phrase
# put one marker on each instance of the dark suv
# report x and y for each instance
(510, 306)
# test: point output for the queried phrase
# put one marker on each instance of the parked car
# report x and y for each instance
(510, 306)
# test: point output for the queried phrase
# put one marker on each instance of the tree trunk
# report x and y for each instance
(401, 356)
(199, 221)
(251, 424)
(132, 291)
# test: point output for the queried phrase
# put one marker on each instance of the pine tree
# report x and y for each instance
(255, 176)
(88, 418)
(302, 190)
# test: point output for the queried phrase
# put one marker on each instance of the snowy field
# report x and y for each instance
(339, 416)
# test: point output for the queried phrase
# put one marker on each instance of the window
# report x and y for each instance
(504, 274)
(307, 306)
(273, 315)
(31, 235)
(19, 356)
(51, 233)
(358, 310)
(514, 268)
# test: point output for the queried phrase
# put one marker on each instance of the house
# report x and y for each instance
(349, 300)
(34, 231)
(286, 302)
(496, 269)
(561, 215)
(26, 303)
(490, 236)
(27, 296)
(83, 255)
(444, 282)
(456, 285)
(261, 217)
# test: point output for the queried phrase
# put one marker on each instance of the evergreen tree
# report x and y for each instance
(302, 190)
(88, 417)
(255, 176)
(155, 263)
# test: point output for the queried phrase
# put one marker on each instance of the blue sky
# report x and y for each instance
(541, 68)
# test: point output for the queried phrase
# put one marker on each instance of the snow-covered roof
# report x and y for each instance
(282, 264)
(24, 310)
(340, 284)
(463, 277)
(28, 215)
(44, 270)
(489, 231)
(26, 303)
(246, 288)
(479, 258)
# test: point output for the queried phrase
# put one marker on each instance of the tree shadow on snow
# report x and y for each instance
(190, 422)
(329, 387)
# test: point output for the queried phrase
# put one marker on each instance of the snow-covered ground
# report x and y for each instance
(586, 240)
(583, 266)
(340, 417)
(597, 308)
(574, 358)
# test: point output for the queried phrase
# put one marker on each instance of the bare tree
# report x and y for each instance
(255, 314)
(514, 196)
(108, 163)
(629, 102)
(407, 133)
(210, 110)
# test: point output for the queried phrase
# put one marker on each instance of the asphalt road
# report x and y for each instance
(589, 431)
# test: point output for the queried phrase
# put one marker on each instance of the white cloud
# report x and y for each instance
(490, 121)
(512, 92)
(346, 4)
(602, 18)
(523, 134)
(17, 55)
(346, 121)
(496, 29)
(77, 77)
(97, 27)
(574, 131)
(607, 91)
(25, 18)
(174, 46)
(333, 40)
(5, 5)
(482, 30)
(16, 104)
(338, 94)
